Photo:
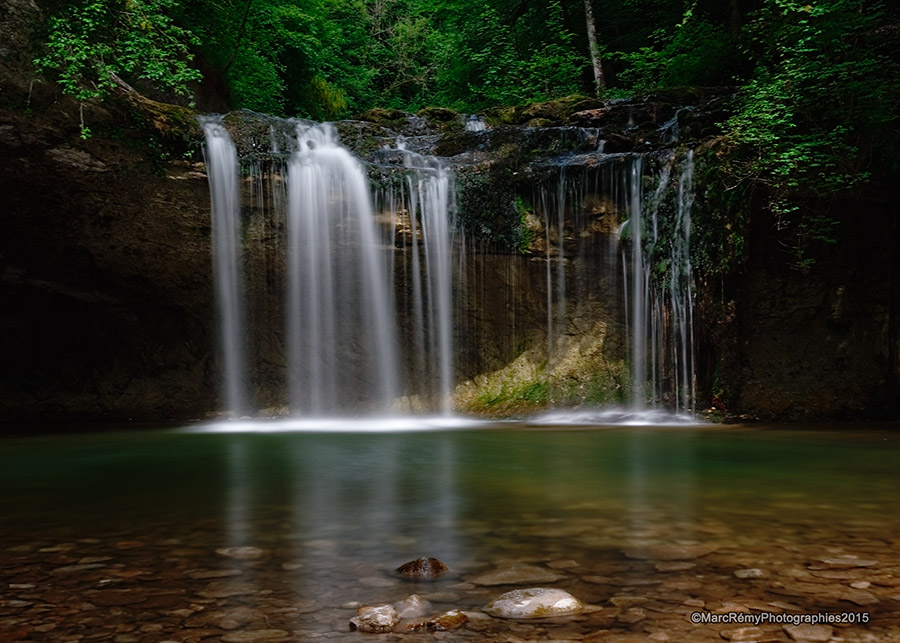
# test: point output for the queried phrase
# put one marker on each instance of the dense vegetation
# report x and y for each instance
(815, 113)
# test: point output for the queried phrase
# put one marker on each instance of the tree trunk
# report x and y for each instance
(599, 82)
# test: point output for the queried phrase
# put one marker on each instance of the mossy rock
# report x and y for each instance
(392, 118)
(558, 110)
(443, 119)
(438, 114)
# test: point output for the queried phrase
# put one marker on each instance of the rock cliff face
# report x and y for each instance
(816, 344)
(104, 259)
(107, 296)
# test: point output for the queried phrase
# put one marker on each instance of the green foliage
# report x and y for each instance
(820, 106)
(91, 42)
(481, 64)
(694, 52)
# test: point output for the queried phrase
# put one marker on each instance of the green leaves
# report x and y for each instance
(812, 119)
(90, 42)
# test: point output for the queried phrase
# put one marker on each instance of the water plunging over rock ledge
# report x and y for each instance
(107, 271)
(580, 226)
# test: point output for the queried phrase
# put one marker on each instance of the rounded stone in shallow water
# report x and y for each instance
(422, 568)
(536, 602)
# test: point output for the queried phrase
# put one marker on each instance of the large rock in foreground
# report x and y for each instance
(536, 602)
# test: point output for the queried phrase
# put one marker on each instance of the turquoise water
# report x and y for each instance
(333, 513)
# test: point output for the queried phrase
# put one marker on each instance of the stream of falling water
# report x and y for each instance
(653, 239)
(221, 159)
(340, 322)
(340, 339)
(367, 271)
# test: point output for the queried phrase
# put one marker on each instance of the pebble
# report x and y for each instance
(632, 615)
(413, 606)
(746, 574)
(670, 552)
(674, 566)
(536, 602)
(742, 634)
(847, 562)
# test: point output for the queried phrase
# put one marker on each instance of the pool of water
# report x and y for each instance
(134, 535)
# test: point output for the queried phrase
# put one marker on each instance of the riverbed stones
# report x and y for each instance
(670, 552)
(252, 636)
(422, 569)
(806, 632)
(535, 602)
(516, 575)
(240, 553)
(747, 574)
(375, 618)
(742, 634)
(444, 622)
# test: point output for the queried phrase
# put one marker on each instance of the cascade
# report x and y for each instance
(653, 195)
(340, 327)
(221, 159)
(361, 317)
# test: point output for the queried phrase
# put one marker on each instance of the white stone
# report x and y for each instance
(375, 618)
(536, 602)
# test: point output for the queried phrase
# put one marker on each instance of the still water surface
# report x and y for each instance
(130, 523)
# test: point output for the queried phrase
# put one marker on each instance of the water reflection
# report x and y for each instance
(666, 515)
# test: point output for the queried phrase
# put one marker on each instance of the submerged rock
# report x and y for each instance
(515, 575)
(413, 606)
(670, 552)
(536, 602)
(422, 568)
(240, 553)
(436, 623)
(375, 618)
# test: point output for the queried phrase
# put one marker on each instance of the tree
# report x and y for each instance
(594, 48)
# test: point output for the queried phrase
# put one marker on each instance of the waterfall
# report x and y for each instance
(332, 322)
(652, 194)
(474, 123)
(662, 347)
(425, 201)
(221, 159)
(340, 327)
